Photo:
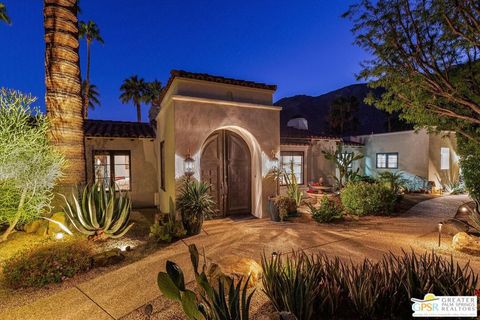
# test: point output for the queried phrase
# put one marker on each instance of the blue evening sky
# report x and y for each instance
(304, 47)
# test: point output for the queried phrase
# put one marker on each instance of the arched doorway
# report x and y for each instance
(225, 163)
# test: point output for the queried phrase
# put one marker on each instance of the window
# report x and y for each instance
(345, 155)
(292, 157)
(113, 167)
(162, 165)
(387, 160)
(444, 158)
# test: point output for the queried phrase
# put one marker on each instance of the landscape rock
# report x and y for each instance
(465, 243)
(453, 226)
(52, 226)
(107, 258)
(236, 268)
(33, 226)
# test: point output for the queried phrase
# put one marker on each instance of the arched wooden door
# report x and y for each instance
(225, 163)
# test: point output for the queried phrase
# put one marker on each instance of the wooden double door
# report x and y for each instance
(225, 164)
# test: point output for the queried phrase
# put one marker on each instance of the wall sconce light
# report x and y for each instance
(188, 166)
(440, 225)
(275, 163)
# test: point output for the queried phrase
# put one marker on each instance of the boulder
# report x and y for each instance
(454, 226)
(107, 258)
(33, 226)
(465, 243)
(52, 226)
(236, 268)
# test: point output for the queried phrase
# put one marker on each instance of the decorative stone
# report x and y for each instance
(33, 226)
(453, 226)
(464, 243)
(236, 268)
(52, 226)
(107, 258)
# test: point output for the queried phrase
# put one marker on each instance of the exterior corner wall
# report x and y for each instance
(435, 173)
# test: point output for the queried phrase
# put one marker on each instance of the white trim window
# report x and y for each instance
(444, 158)
(387, 160)
(286, 159)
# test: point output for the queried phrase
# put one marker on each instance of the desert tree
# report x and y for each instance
(29, 165)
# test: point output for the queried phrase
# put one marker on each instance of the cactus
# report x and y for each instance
(214, 303)
(102, 212)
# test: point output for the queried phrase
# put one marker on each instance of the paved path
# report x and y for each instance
(119, 293)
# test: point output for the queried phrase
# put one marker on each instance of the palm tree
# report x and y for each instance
(91, 33)
(63, 86)
(93, 95)
(152, 97)
(3, 14)
(133, 89)
(341, 117)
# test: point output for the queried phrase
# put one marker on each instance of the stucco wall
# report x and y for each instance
(436, 174)
(143, 162)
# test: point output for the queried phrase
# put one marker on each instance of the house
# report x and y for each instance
(230, 129)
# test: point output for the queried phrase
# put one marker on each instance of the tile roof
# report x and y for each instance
(352, 143)
(290, 132)
(118, 129)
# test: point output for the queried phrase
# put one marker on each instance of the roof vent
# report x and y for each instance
(298, 123)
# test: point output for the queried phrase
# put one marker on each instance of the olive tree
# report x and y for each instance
(29, 166)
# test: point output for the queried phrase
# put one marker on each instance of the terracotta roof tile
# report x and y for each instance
(118, 129)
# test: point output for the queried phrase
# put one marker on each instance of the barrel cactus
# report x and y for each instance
(101, 212)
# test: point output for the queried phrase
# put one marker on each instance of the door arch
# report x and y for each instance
(225, 163)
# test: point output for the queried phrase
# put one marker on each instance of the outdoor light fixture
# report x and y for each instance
(464, 209)
(275, 163)
(59, 236)
(440, 225)
(188, 166)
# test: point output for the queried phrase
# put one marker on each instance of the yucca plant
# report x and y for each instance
(195, 203)
(214, 303)
(101, 212)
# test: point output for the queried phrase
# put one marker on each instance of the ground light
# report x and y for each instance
(440, 225)
(59, 236)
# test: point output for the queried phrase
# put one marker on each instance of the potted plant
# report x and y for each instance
(194, 203)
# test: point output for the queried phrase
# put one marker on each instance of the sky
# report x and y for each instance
(304, 47)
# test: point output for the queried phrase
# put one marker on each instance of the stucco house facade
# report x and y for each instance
(231, 130)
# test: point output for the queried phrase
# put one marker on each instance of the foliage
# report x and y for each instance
(424, 53)
(341, 116)
(215, 303)
(284, 205)
(29, 166)
(133, 89)
(4, 15)
(168, 230)
(153, 91)
(362, 198)
(363, 178)
(47, 263)
(195, 203)
(343, 162)
(101, 212)
(392, 180)
(314, 285)
(451, 182)
(293, 190)
(469, 152)
(93, 95)
(329, 210)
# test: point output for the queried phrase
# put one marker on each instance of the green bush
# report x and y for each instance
(48, 263)
(309, 286)
(362, 198)
(328, 210)
(167, 231)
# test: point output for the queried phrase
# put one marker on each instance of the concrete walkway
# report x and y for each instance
(119, 293)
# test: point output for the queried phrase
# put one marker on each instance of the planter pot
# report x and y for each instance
(192, 223)
(273, 210)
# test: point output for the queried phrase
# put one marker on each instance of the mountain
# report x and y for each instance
(316, 110)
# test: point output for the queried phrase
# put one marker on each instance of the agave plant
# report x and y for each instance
(101, 212)
(215, 302)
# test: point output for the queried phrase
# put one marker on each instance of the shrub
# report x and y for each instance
(328, 210)
(102, 212)
(285, 205)
(29, 165)
(469, 152)
(48, 263)
(308, 286)
(167, 231)
(195, 203)
(362, 198)
(392, 180)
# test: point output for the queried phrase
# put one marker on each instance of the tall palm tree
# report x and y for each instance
(90, 32)
(93, 95)
(133, 89)
(63, 86)
(3, 14)
(152, 97)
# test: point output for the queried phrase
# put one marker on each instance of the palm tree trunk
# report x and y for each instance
(63, 87)
(87, 85)
(139, 112)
